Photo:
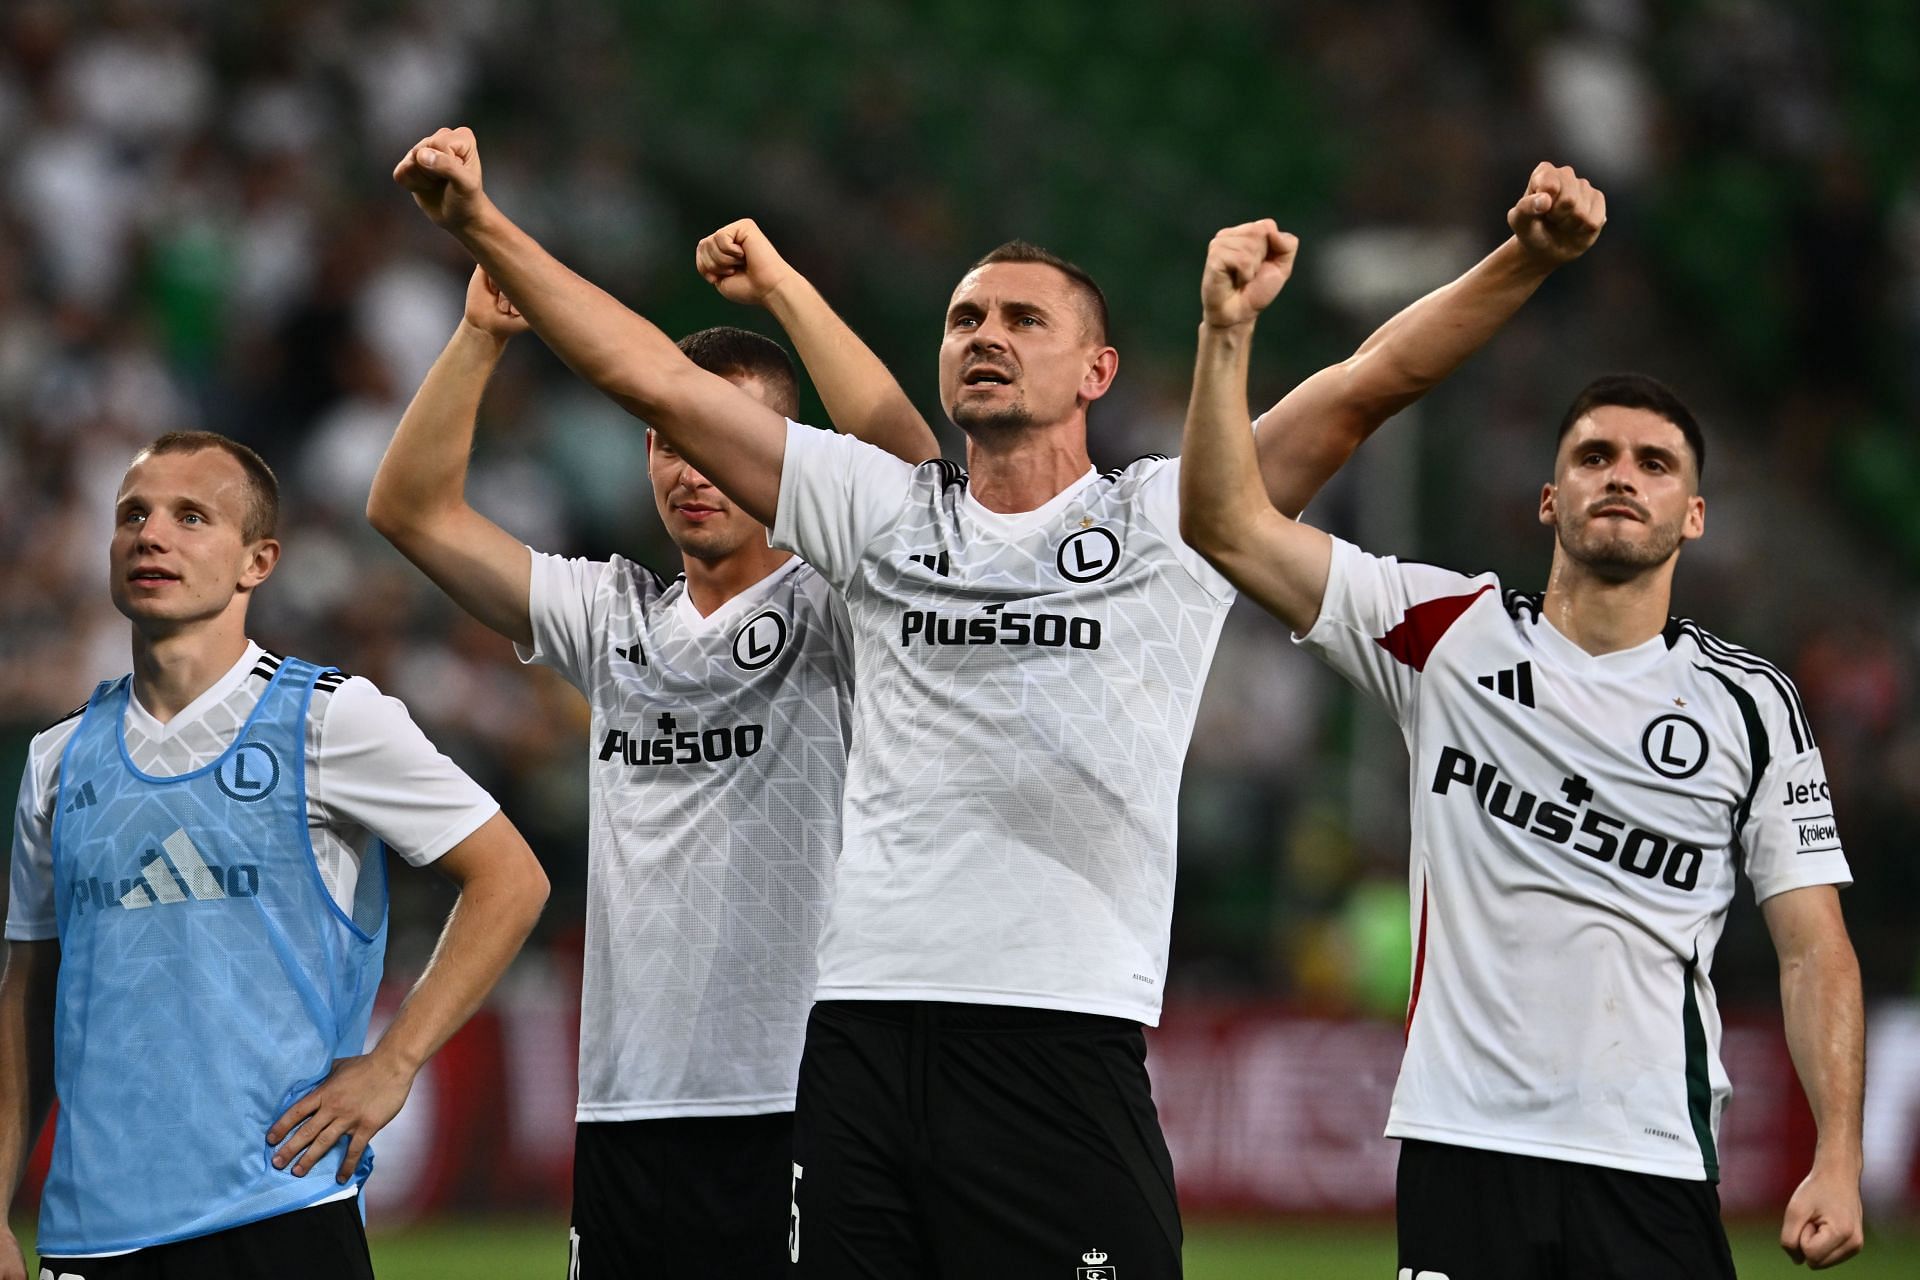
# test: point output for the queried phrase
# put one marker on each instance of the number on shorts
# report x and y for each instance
(793, 1223)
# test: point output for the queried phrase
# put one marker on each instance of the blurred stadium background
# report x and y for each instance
(197, 229)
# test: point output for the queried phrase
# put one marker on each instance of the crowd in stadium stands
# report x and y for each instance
(196, 229)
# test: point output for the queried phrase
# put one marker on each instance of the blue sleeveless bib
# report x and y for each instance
(207, 979)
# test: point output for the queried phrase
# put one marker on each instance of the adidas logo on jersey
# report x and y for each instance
(1515, 684)
(82, 797)
(178, 874)
(631, 653)
(940, 563)
(1587, 830)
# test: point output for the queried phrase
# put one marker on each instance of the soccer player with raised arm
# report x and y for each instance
(720, 708)
(1588, 774)
(1030, 639)
(199, 914)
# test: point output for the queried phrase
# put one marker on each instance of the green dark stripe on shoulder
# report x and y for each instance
(1699, 1083)
(1757, 743)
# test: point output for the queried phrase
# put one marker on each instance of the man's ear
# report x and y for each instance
(261, 559)
(1100, 374)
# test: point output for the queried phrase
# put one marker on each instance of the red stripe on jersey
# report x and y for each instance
(1420, 628)
(1419, 962)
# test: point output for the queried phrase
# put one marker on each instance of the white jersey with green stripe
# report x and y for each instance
(1577, 822)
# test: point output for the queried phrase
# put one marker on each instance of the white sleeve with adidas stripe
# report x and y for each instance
(836, 495)
(30, 905)
(1381, 618)
(377, 771)
(1790, 839)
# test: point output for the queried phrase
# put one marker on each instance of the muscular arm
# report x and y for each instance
(1315, 428)
(418, 501)
(1225, 513)
(736, 441)
(1826, 1035)
(502, 889)
(861, 397)
(26, 1069)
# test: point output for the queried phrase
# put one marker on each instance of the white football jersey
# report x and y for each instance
(715, 761)
(1026, 688)
(1577, 824)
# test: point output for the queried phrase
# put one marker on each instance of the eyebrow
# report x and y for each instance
(1608, 444)
(972, 308)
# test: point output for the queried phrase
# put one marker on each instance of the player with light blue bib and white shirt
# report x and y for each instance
(1589, 776)
(197, 917)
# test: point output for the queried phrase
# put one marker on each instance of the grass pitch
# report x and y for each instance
(537, 1250)
(1309, 1251)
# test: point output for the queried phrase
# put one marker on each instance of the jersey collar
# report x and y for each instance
(142, 720)
(1620, 665)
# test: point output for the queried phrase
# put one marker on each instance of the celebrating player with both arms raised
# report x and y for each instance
(720, 708)
(1030, 641)
(1588, 774)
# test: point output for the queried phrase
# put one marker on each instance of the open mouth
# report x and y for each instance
(152, 575)
(985, 376)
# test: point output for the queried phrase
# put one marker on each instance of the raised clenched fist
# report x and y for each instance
(1246, 267)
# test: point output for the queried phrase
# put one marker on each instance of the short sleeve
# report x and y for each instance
(836, 495)
(30, 906)
(1381, 620)
(378, 772)
(562, 595)
(1160, 505)
(1789, 837)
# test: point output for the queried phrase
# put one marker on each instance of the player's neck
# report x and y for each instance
(1603, 615)
(1022, 470)
(170, 670)
(711, 583)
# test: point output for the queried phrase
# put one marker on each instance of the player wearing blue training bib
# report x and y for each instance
(198, 915)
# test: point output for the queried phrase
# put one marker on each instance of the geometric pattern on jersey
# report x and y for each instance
(715, 762)
(207, 979)
(1573, 860)
(1025, 699)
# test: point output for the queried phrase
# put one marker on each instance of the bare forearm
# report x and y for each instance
(861, 396)
(1826, 1035)
(619, 352)
(1312, 432)
(1414, 351)
(425, 468)
(1220, 491)
(26, 1055)
(482, 935)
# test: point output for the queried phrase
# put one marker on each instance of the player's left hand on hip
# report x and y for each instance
(1823, 1223)
(356, 1100)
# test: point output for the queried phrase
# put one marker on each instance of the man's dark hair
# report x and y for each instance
(263, 497)
(1093, 301)
(742, 353)
(1638, 391)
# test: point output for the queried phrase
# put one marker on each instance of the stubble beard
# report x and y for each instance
(1616, 558)
(988, 420)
